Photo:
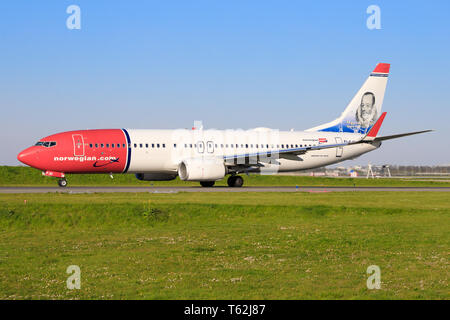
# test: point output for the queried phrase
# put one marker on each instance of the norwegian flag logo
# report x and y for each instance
(323, 140)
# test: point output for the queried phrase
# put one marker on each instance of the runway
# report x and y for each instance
(74, 190)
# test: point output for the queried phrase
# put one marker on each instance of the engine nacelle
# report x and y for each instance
(155, 176)
(201, 170)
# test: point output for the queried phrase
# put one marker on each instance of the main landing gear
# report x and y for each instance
(207, 184)
(62, 182)
(235, 181)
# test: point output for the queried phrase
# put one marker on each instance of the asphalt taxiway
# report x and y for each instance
(154, 189)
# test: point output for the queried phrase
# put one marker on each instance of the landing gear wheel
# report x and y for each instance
(207, 184)
(62, 182)
(235, 181)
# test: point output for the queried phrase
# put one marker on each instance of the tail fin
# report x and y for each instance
(365, 108)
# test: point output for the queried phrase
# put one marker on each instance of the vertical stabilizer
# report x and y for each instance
(365, 107)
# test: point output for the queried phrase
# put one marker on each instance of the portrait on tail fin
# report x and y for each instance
(366, 114)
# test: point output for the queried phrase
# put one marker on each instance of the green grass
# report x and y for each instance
(25, 176)
(233, 246)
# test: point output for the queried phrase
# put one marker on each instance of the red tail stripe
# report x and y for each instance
(382, 68)
(376, 127)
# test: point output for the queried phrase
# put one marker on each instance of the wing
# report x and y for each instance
(281, 152)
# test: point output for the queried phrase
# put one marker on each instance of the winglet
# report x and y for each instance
(375, 128)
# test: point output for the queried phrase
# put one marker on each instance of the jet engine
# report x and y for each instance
(201, 170)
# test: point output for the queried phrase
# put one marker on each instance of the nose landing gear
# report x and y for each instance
(62, 182)
(235, 181)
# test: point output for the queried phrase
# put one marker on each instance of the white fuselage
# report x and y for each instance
(161, 151)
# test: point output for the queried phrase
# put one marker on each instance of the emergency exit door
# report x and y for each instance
(78, 145)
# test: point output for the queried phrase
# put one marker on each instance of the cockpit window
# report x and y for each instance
(46, 144)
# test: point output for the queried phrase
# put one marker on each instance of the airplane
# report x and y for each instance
(207, 156)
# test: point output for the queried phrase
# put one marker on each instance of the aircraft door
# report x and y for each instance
(78, 145)
(210, 147)
(339, 150)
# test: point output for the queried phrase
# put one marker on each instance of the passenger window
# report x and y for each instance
(96, 145)
(163, 145)
(246, 145)
(107, 145)
(153, 145)
(102, 145)
(157, 145)
(90, 145)
(174, 145)
(112, 145)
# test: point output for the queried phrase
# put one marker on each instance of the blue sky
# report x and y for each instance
(231, 64)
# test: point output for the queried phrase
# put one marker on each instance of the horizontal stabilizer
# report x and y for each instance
(395, 136)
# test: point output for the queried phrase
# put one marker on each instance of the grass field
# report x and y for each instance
(225, 246)
(25, 176)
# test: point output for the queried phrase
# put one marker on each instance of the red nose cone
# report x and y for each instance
(28, 157)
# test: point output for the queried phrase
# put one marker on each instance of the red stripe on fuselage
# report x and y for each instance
(82, 151)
